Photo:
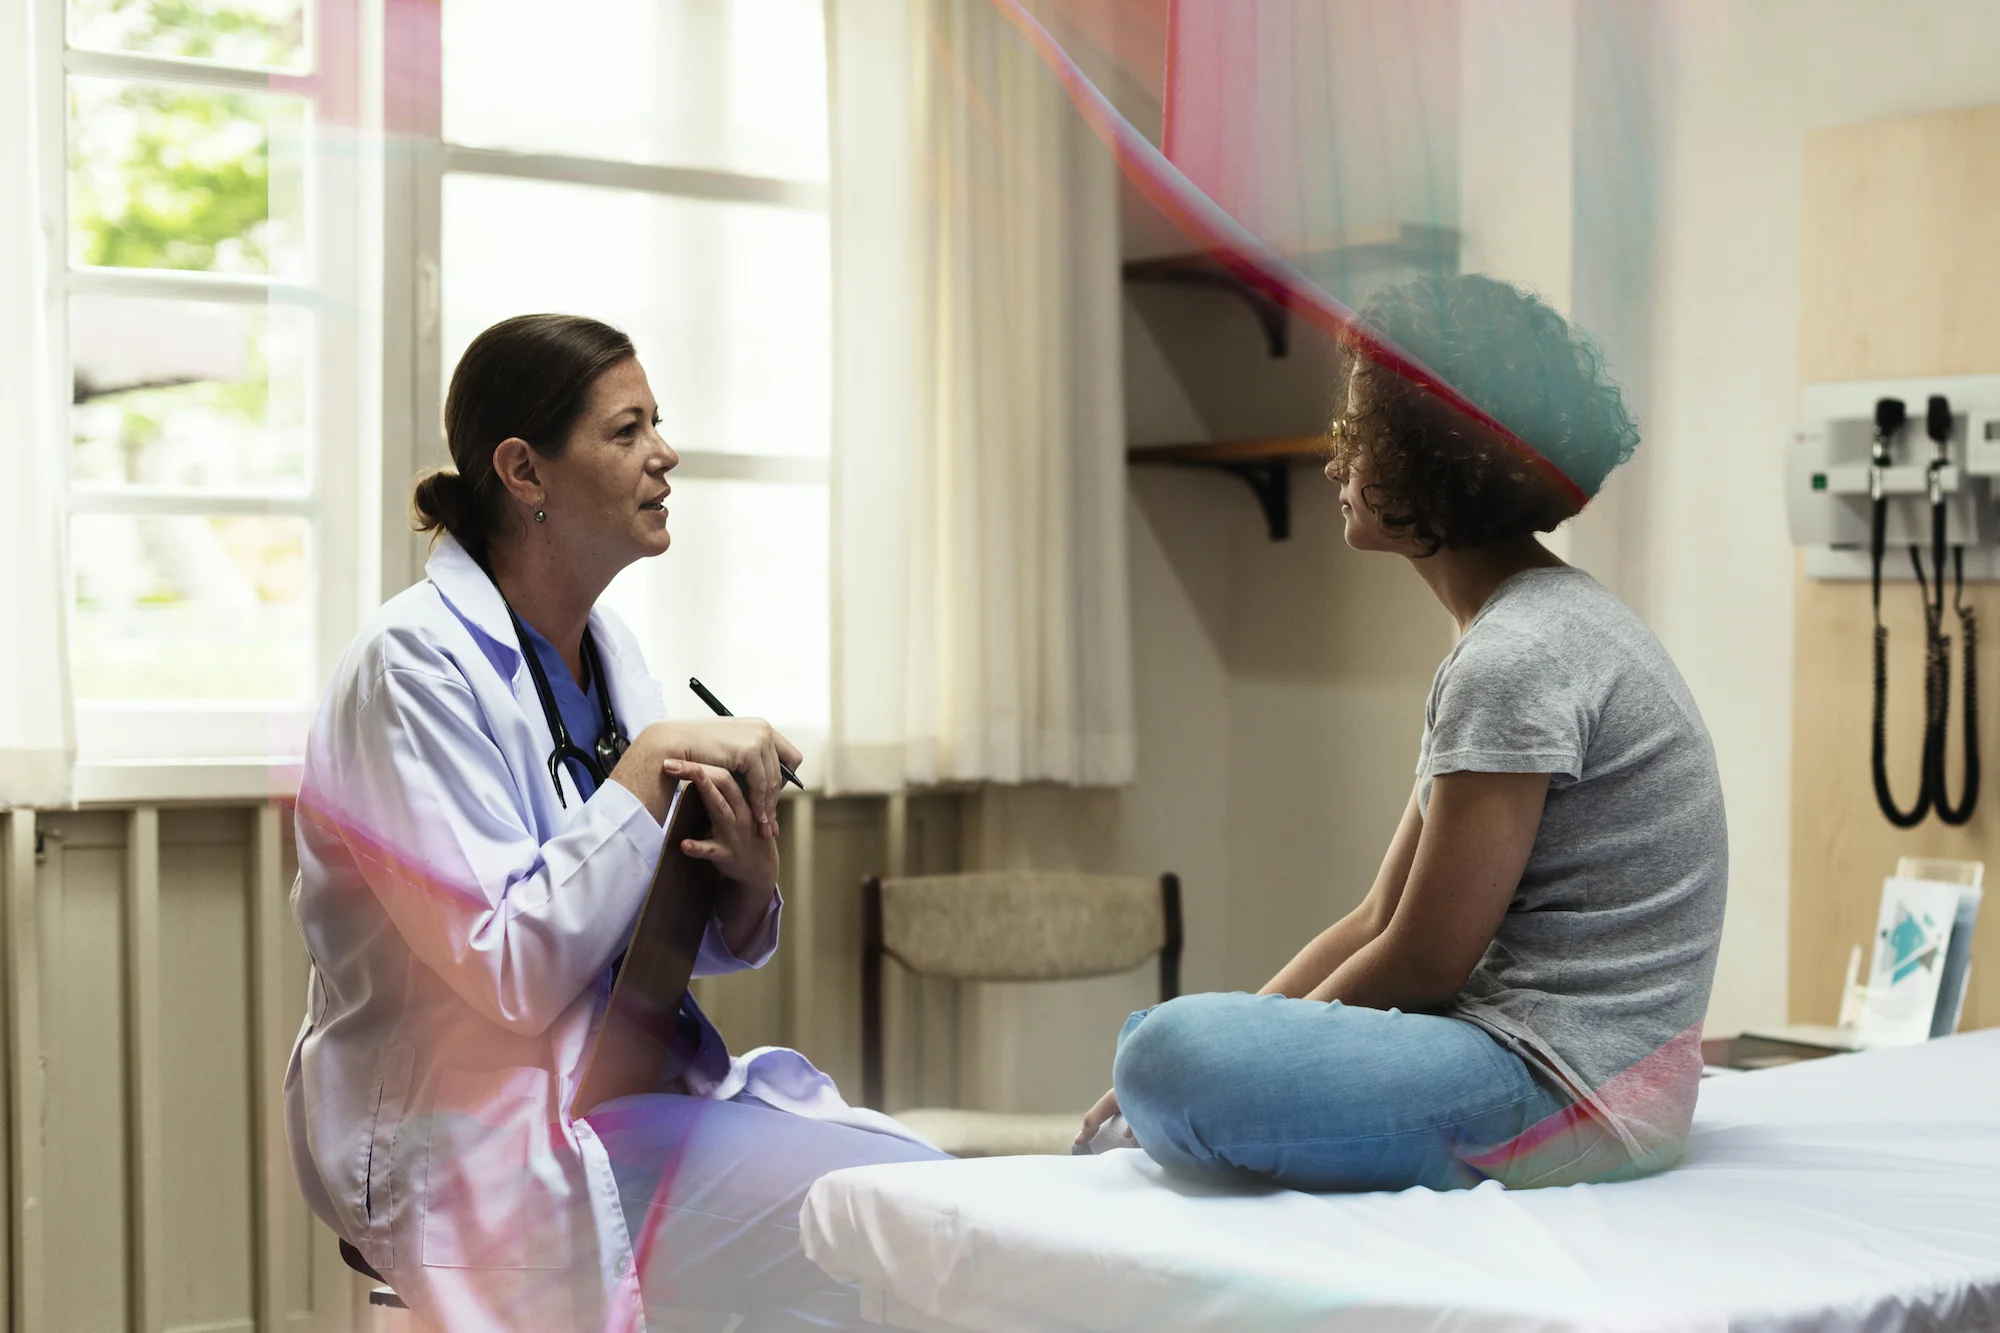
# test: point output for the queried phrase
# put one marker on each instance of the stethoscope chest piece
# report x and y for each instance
(611, 744)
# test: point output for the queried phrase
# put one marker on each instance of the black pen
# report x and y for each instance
(721, 710)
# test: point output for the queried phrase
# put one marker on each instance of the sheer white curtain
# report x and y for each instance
(981, 629)
(37, 726)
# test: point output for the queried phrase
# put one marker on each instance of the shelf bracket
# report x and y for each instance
(1263, 463)
(1272, 316)
(1271, 483)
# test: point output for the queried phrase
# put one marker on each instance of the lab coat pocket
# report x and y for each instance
(495, 1193)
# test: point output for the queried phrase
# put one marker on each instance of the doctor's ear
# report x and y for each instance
(519, 469)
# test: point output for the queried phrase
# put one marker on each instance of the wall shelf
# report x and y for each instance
(1264, 464)
(1402, 245)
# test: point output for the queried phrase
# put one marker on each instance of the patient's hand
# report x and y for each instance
(1094, 1118)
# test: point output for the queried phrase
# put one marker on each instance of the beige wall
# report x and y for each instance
(1687, 132)
(1899, 277)
(1750, 81)
(1281, 690)
(1280, 685)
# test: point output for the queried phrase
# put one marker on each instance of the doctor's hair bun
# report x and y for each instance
(526, 378)
(442, 502)
(1446, 480)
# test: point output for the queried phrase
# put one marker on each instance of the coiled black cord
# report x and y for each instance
(1929, 768)
(1889, 418)
(1968, 633)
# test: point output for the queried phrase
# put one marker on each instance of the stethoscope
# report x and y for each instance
(611, 740)
(1890, 415)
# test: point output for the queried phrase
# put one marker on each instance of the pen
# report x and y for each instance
(721, 710)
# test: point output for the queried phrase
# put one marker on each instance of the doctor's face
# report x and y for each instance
(608, 490)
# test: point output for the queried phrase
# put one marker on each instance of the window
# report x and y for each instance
(661, 165)
(208, 309)
(264, 294)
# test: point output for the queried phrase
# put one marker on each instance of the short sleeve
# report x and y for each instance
(1505, 703)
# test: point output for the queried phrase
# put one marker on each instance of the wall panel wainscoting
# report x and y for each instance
(154, 983)
(154, 986)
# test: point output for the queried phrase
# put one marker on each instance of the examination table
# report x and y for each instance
(1855, 1193)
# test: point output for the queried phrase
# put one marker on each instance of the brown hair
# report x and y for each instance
(529, 378)
(1449, 481)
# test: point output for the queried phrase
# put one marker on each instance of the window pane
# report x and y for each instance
(733, 85)
(268, 34)
(185, 393)
(727, 303)
(736, 545)
(186, 607)
(166, 176)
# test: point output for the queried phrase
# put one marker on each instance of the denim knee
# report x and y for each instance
(1165, 1072)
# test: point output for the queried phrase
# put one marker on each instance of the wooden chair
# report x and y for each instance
(1011, 926)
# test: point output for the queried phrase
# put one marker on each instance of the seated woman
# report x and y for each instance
(476, 835)
(1520, 995)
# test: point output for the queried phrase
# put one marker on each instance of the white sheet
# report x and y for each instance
(1855, 1193)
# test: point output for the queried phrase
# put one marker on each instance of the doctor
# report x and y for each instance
(479, 817)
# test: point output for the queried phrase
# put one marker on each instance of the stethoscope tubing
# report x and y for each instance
(611, 740)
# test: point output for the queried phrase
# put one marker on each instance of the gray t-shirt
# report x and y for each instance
(1600, 971)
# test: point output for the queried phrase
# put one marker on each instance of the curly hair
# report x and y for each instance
(1446, 480)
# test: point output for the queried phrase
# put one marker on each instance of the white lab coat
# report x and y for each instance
(461, 921)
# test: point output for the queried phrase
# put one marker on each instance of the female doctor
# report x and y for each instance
(479, 816)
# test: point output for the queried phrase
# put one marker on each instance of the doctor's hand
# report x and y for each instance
(733, 845)
(747, 746)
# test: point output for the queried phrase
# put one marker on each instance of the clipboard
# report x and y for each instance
(639, 1047)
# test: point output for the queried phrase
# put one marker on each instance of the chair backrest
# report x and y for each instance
(1021, 927)
(1012, 926)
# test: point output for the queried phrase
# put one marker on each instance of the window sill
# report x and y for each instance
(188, 781)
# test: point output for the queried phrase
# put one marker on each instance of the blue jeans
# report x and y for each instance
(711, 1192)
(1317, 1096)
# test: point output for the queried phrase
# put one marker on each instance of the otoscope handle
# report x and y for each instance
(1937, 420)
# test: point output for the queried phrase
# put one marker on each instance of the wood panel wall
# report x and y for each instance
(1899, 277)
(153, 985)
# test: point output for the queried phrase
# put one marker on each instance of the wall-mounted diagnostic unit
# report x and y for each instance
(1895, 481)
(1839, 456)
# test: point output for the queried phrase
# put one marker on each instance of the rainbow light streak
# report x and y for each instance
(394, 865)
(1652, 1092)
(485, 1238)
(1243, 255)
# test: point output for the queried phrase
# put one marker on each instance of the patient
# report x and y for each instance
(1519, 997)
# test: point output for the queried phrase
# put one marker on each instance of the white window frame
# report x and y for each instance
(413, 335)
(426, 333)
(132, 750)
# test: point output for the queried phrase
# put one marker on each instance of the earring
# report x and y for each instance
(541, 516)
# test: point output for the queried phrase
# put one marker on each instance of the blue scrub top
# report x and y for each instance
(702, 1044)
(581, 712)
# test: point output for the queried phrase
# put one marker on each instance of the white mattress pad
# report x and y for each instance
(1860, 1192)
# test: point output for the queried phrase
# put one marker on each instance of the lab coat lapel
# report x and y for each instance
(476, 601)
(472, 595)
